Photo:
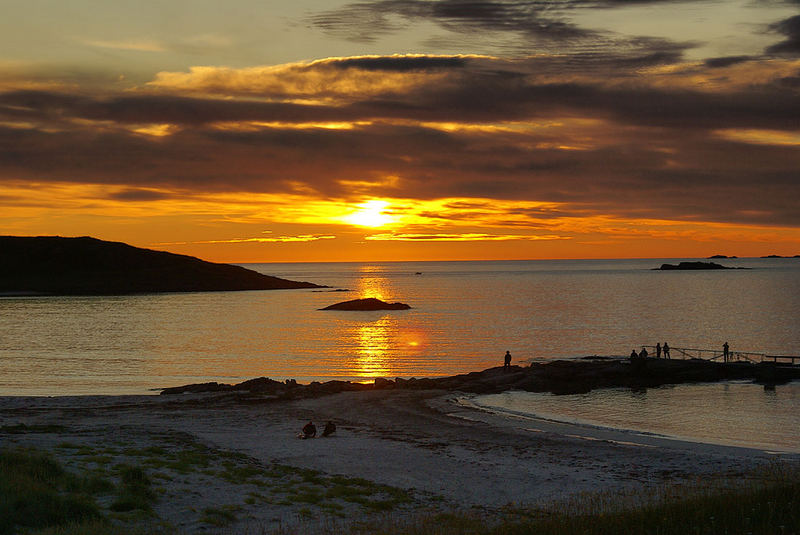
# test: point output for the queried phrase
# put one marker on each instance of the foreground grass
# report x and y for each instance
(765, 503)
(39, 496)
(109, 485)
(35, 492)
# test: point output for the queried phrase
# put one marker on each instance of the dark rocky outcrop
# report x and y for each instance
(52, 265)
(369, 303)
(558, 377)
(692, 266)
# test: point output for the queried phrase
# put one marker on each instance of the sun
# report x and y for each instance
(370, 214)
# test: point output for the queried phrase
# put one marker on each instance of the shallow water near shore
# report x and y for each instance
(465, 316)
(731, 413)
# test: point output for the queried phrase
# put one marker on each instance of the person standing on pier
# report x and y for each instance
(666, 350)
(658, 350)
(725, 353)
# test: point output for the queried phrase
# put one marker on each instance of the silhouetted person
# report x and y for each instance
(725, 353)
(658, 350)
(507, 361)
(309, 430)
(643, 353)
(666, 350)
(330, 428)
(634, 355)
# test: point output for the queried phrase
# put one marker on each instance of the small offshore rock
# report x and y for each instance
(369, 303)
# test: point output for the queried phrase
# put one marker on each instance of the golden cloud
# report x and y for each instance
(461, 237)
(269, 239)
(320, 80)
(762, 137)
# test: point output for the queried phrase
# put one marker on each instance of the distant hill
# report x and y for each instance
(52, 265)
(693, 266)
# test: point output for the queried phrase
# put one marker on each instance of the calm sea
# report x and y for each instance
(465, 316)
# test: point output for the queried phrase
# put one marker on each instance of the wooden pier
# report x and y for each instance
(718, 355)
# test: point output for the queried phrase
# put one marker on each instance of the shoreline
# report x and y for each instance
(419, 442)
(630, 435)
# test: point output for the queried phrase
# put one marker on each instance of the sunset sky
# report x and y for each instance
(328, 130)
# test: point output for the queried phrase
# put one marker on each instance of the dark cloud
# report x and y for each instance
(726, 61)
(791, 29)
(792, 82)
(518, 26)
(650, 171)
(399, 63)
(470, 93)
(365, 21)
(43, 105)
(526, 18)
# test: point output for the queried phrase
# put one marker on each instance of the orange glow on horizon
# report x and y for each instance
(247, 227)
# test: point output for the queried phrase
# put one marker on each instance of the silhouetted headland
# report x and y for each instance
(52, 265)
(369, 303)
(692, 266)
(558, 377)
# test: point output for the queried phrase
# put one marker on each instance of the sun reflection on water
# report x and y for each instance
(373, 349)
(372, 284)
(381, 343)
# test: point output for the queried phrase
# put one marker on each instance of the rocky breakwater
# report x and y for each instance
(558, 377)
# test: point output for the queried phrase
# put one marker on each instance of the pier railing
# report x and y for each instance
(686, 353)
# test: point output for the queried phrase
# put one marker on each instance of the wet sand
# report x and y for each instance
(430, 442)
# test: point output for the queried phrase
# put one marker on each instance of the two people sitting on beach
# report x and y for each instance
(310, 430)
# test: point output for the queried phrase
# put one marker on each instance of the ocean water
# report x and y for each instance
(465, 316)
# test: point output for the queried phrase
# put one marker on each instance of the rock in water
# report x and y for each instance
(692, 266)
(369, 303)
(52, 265)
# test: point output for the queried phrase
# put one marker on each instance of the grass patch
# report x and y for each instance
(127, 480)
(220, 516)
(36, 492)
(145, 452)
(764, 503)
(20, 429)
(99, 459)
(237, 473)
(310, 496)
(366, 493)
(135, 492)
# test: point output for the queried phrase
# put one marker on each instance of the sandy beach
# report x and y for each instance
(418, 450)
